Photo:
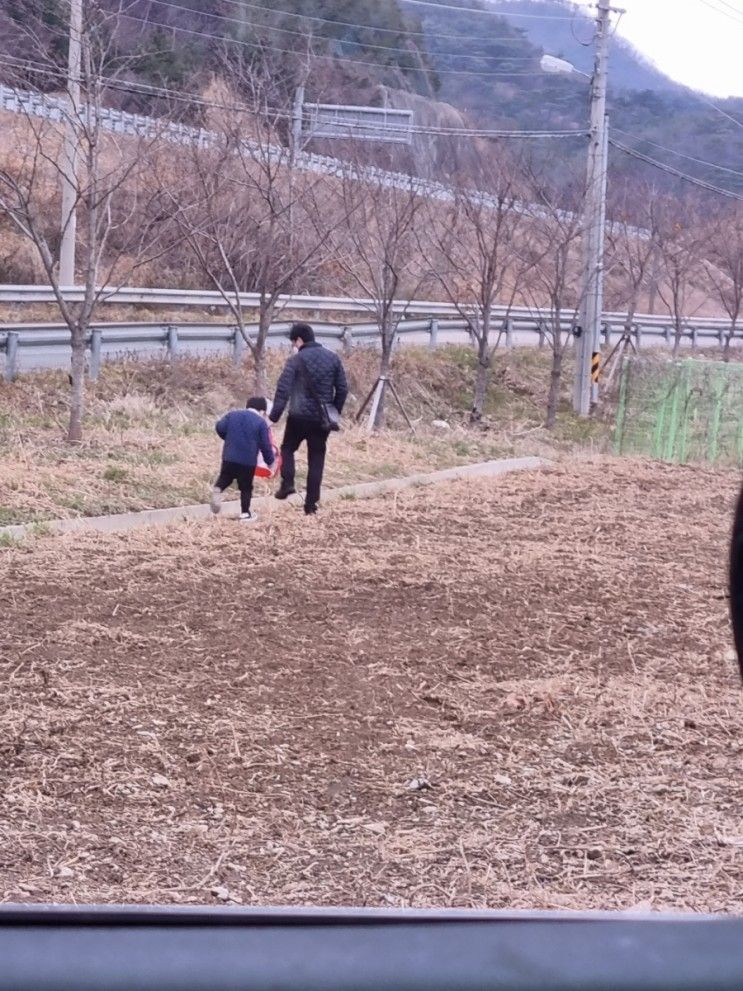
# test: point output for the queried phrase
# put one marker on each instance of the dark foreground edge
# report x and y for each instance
(123, 948)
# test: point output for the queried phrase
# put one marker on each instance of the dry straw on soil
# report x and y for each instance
(512, 692)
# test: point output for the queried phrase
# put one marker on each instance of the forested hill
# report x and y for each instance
(570, 38)
(648, 111)
(478, 56)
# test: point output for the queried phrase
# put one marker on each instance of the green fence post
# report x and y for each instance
(686, 414)
(673, 419)
(714, 433)
(622, 408)
(660, 422)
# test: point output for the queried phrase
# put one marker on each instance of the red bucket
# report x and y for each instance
(261, 469)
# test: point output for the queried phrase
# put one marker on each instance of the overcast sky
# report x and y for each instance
(696, 42)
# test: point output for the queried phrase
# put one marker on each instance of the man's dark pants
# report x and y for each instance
(231, 472)
(298, 430)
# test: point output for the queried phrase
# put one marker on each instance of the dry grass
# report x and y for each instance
(510, 692)
(150, 440)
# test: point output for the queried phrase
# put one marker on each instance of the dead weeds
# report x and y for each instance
(150, 440)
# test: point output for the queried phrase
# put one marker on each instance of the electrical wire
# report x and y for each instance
(490, 13)
(676, 172)
(584, 44)
(344, 41)
(145, 89)
(141, 89)
(725, 13)
(719, 110)
(150, 90)
(736, 10)
(679, 154)
(370, 27)
(288, 51)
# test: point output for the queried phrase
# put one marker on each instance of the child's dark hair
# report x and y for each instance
(258, 403)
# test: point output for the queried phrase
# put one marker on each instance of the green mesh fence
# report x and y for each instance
(681, 411)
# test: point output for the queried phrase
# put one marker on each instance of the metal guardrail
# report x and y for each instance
(20, 294)
(55, 108)
(203, 298)
(139, 125)
(28, 346)
(120, 122)
(143, 948)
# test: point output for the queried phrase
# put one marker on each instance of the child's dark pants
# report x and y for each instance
(243, 475)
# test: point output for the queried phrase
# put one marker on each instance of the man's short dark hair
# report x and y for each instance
(301, 332)
(258, 403)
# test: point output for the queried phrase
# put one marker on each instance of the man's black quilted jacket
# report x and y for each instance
(328, 375)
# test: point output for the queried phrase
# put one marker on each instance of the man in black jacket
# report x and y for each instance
(311, 376)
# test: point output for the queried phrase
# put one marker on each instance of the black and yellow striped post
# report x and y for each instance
(595, 375)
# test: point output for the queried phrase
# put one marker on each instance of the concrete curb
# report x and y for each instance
(362, 490)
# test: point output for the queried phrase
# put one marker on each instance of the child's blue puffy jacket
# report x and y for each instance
(244, 433)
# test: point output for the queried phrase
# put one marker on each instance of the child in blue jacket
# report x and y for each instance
(245, 433)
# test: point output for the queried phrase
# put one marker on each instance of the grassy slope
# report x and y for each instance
(150, 438)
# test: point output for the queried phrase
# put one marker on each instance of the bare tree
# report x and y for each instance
(553, 253)
(723, 264)
(472, 254)
(632, 245)
(679, 253)
(376, 249)
(111, 197)
(254, 222)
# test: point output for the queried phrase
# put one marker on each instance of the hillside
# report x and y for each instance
(648, 111)
(452, 67)
(570, 39)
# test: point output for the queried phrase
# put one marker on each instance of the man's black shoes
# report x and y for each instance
(284, 491)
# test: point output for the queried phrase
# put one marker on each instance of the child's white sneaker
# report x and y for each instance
(215, 502)
(248, 518)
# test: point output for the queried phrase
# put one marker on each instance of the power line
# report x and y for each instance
(676, 172)
(146, 89)
(725, 13)
(679, 154)
(343, 41)
(288, 51)
(723, 113)
(491, 13)
(731, 7)
(241, 4)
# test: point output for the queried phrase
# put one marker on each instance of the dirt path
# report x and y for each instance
(508, 692)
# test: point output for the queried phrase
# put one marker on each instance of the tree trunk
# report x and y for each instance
(77, 395)
(384, 369)
(728, 342)
(482, 381)
(676, 338)
(554, 390)
(260, 374)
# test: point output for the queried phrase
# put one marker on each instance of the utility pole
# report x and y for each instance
(599, 309)
(243, 28)
(295, 135)
(594, 213)
(70, 152)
